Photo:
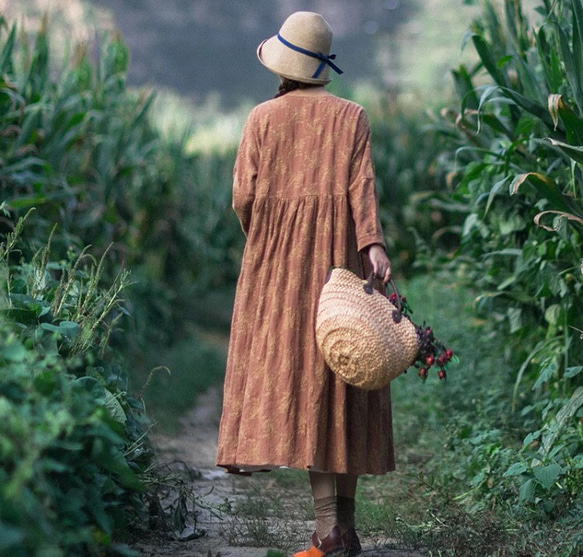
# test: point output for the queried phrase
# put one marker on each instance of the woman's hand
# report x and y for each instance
(380, 262)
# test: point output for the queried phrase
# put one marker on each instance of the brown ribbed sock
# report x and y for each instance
(345, 510)
(325, 511)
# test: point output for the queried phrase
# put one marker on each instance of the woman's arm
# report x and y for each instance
(362, 194)
(245, 175)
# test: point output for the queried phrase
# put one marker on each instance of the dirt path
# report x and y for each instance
(235, 514)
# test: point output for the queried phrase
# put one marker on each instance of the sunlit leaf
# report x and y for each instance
(114, 408)
(553, 313)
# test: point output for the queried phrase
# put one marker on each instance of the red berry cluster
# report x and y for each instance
(431, 351)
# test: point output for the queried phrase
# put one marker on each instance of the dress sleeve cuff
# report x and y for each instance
(370, 239)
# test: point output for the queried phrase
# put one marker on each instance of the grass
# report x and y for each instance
(274, 511)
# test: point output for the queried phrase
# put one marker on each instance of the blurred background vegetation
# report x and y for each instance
(119, 123)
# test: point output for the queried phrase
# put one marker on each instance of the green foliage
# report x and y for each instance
(78, 146)
(459, 448)
(517, 143)
(71, 437)
(102, 190)
(411, 187)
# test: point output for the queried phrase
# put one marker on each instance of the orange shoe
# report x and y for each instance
(330, 546)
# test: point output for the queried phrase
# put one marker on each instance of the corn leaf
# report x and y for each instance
(488, 60)
(38, 73)
(572, 123)
(550, 61)
(568, 58)
(465, 88)
(496, 188)
(7, 51)
(578, 46)
(494, 27)
(548, 190)
(529, 105)
(554, 228)
(574, 152)
(528, 81)
(497, 125)
(516, 25)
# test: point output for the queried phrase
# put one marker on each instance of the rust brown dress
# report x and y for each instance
(305, 195)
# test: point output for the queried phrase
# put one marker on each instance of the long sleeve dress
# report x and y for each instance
(304, 192)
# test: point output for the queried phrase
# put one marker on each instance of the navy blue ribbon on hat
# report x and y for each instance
(322, 57)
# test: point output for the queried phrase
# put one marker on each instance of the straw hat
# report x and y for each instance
(301, 49)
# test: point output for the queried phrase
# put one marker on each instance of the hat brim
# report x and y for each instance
(283, 61)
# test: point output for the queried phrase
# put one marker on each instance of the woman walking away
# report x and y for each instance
(304, 192)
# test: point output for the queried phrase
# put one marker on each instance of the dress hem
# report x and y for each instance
(248, 470)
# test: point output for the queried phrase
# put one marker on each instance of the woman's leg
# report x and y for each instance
(325, 509)
(329, 490)
(345, 494)
(346, 485)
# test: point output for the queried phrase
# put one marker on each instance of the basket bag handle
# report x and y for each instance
(368, 288)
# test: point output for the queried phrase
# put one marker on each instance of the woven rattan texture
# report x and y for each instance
(358, 335)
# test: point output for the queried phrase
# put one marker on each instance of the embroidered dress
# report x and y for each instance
(304, 193)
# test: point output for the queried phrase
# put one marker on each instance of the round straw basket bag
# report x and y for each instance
(364, 338)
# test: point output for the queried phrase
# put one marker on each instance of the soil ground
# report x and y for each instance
(235, 516)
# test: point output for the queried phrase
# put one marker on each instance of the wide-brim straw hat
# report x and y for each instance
(301, 49)
(363, 337)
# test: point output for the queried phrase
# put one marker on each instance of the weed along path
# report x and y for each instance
(231, 516)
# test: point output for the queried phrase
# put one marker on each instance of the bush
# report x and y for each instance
(72, 440)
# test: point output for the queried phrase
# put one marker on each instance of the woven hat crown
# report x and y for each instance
(281, 54)
(308, 30)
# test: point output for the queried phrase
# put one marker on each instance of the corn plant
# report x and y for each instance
(516, 141)
(78, 146)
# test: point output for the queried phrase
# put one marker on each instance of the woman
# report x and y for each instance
(305, 195)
